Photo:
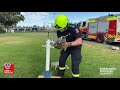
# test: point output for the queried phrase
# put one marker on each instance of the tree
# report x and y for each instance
(10, 18)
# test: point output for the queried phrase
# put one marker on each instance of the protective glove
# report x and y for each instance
(65, 45)
(58, 46)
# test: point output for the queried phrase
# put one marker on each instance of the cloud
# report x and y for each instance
(33, 16)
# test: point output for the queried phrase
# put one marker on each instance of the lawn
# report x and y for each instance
(25, 51)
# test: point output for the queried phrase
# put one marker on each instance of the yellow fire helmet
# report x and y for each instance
(61, 22)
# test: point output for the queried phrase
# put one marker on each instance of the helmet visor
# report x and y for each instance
(60, 28)
(57, 27)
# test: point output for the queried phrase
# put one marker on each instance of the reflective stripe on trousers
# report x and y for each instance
(75, 75)
(62, 68)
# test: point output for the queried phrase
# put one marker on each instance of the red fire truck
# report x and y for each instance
(102, 29)
(83, 25)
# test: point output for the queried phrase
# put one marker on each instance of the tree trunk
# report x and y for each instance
(7, 29)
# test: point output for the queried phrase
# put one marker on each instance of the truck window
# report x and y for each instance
(79, 24)
(118, 28)
(84, 24)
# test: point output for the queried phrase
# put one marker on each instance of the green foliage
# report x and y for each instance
(10, 18)
(2, 31)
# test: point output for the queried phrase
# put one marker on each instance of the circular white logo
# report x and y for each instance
(7, 66)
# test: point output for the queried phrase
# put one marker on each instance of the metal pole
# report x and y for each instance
(47, 73)
(47, 55)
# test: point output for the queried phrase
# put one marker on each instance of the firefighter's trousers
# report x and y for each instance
(75, 61)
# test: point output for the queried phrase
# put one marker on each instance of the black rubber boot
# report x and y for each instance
(60, 73)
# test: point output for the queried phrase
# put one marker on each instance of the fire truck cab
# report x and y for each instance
(83, 25)
(105, 28)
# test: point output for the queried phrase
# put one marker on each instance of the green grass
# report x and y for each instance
(25, 51)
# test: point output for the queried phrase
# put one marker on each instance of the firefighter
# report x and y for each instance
(73, 44)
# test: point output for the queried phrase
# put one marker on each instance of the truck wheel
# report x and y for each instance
(100, 38)
(110, 41)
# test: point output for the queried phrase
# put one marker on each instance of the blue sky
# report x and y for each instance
(41, 18)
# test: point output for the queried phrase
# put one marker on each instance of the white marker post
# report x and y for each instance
(47, 73)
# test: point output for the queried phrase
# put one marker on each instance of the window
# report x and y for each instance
(84, 24)
(79, 24)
